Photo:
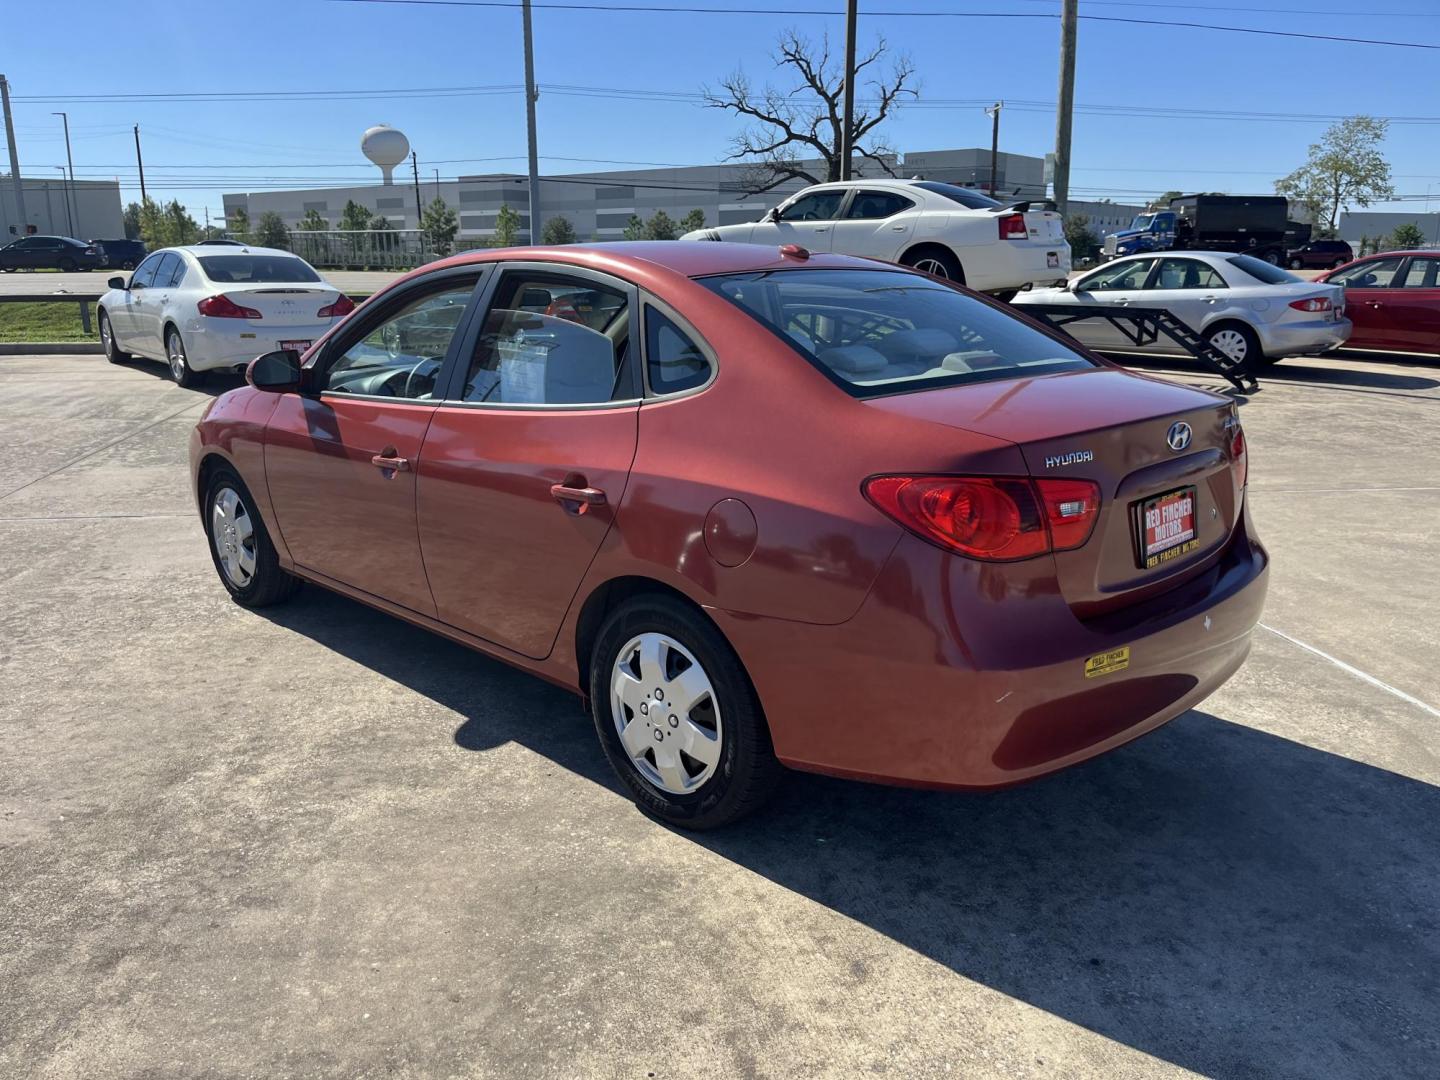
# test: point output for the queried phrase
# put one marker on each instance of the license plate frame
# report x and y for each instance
(298, 346)
(1153, 551)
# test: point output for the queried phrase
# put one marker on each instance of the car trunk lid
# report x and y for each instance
(1111, 427)
(285, 305)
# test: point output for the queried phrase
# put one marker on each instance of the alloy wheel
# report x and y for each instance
(1232, 343)
(233, 534)
(175, 350)
(933, 267)
(107, 341)
(666, 713)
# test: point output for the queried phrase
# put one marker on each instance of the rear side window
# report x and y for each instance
(883, 332)
(256, 269)
(177, 273)
(874, 205)
(1261, 270)
(1421, 273)
(674, 362)
(974, 200)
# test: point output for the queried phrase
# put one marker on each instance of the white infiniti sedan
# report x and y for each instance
(951, 232)
(1253, 312)
(214, 307)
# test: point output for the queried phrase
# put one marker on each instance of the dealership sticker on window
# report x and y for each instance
(1106, 662)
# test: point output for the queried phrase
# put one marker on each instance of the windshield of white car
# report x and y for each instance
(964, 196)
(256, 269)
(1263, 271)
(877, 332)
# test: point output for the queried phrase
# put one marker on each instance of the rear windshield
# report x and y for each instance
(229, 269)
(883, 332)
(964, 196)
(1259, 268)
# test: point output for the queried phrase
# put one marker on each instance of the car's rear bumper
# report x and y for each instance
(954, 675)
(1304, 338)
(1013, 264)
(211, 345)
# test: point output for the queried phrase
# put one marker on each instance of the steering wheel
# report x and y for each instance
(434, 364)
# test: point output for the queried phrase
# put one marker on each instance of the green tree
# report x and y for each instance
(1084, 244)
(1345, 167)
(634, 229)
(180, 227)
(559, 230)
(439, 224)
(152, 225)
(312, 222)
(507, 228)
(1407, 237)
(661, 226)
(239, 225)
(692, 222)
(354, 217)
(132, 221)
(271, 232)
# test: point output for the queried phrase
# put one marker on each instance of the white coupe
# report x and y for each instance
(951, 232)
(1253, 312)
(214, 307)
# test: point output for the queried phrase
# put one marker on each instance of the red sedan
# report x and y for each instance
(757, 508)
(1393, 301)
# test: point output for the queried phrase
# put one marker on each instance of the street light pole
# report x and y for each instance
(530, 96)
(70, 161)
(847, 130)
(69, 221)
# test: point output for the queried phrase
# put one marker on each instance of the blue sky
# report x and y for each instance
(197, 150)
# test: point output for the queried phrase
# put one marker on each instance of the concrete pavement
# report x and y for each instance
(319, 842)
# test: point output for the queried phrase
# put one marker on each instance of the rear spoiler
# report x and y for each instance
(1021, 207)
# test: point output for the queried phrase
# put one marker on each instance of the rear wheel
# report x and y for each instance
(936, 261)
(677, 717)
(127, 264)
(244, 557)
(1239, 343)
(1272, 257)
(1337, 263)
(107, 341)
(180, 369)
(66, 264)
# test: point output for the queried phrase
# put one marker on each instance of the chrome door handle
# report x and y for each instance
(577, 497)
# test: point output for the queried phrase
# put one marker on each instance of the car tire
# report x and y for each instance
(240, 546)
(1273, 257)
(1337, 264)
(936, 261)
(662, 641)
(1296, 264)
(177, 361)
(66, 265)
(1240, 343)
(107, 341)
(127, 264)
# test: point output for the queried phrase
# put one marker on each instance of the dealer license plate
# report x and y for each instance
(1167, 527)
(1052, 260)
(298, 346)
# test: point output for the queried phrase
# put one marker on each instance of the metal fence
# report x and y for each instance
(363, 249)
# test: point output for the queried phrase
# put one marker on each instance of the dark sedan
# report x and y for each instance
(1319, 255)
(50, 253)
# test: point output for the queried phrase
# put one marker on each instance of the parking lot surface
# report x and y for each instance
(315, 841)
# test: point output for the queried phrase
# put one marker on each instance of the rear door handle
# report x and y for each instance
(388, 460)
(577, 497)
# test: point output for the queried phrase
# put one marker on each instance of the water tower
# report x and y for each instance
(386, 147)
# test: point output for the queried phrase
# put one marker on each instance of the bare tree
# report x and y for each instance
(789, 126)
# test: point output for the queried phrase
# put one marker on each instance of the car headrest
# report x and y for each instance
(925, 342)
(535, 298)
(853, 360)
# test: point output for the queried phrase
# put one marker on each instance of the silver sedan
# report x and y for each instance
(1253, 312)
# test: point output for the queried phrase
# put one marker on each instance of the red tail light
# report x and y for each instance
(1012, 227)
(343, 305)
(222, 307)
(997, 519)
(1314, 303)
(1239, 458)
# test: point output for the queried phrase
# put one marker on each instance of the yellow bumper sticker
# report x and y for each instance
(1106, 662)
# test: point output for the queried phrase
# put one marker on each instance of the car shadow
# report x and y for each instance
(1297, 371)
(214, 383)
(1220, 898)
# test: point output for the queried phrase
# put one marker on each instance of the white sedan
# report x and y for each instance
(1253, 312)
(216, 307)
(951, 232)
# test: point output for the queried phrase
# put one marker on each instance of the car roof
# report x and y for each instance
(1203, 256)
(201, 249)
(690, 258)
(1433, 253)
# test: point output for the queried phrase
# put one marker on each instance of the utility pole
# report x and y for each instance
(140, 164)
(994, 112)
(415, 171)
(847, 131)
(15, 180)
(1065, 102)
(530, 96)
(70, 162)
(437, 183)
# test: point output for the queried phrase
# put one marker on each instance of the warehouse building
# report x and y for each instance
(84, 209)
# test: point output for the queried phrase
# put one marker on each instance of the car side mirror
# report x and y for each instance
(117, 282)
(773, 214)
(275, 372)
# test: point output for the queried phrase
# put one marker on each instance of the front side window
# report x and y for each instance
(672, 360)
(1375, 274)
(145, 273)
(819, 206)
(1118, 275)
(1421, 273)
(880, 331)
(402, 356)
(874, 205)
(549, 339)
(1187, 274)
(256, 269)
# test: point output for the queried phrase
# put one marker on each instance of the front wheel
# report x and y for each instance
(677, 717)
(242, 551)
(66, 265)
(113, 352)
(180, 369)
(1240, 344)
(1337, 264)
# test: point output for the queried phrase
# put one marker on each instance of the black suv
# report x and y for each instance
(121, 254)
(1319, 254)
(50, 253)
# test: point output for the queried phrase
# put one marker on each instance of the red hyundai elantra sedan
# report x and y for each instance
(758, 508)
